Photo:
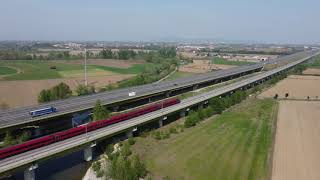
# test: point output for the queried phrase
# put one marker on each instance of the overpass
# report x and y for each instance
(89, 139)
(20, 116)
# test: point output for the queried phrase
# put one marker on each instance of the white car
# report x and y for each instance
(132, 93)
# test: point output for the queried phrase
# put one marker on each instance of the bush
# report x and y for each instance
(173, 130)
(131, 141)
(85, 90)
(125, 150)
(165, 135)
(96, 166)
(189, 122)
(60, 91)
(157, 135)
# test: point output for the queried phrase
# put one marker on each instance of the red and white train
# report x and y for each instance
(60, 136)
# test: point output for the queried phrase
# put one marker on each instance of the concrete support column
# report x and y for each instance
(115, 108)
(87, 155)
(129, 133)
(168, 94)
(29, 173)
(200, 105)
(183, 113)
(160, 122)
(195, 87)
(37, 132)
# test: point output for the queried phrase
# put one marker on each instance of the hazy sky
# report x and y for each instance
(279, 21)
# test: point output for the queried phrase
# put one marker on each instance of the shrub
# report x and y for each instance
(173, 130)
(131, 141)
(165, 135)
(157, 135)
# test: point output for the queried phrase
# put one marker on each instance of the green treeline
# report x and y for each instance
(216, 106)
(124, 54)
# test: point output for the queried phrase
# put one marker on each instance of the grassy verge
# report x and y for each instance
(235, 145)
(217, 60)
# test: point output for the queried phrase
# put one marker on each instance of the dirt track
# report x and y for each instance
(297, 87)
(297, 145)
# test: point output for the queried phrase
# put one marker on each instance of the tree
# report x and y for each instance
(106, 54)
(287, 95)
(217, 105)
(25, 136)
(85, 90)
(8, 139)
(60, 91)
(99, 112)
(44, 96)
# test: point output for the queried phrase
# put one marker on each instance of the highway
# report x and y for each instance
(38, 154)
(20, 116)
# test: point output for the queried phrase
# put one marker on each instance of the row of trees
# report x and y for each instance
(63, 91)
(216, 106)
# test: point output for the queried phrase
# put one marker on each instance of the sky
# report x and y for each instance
(266, 21)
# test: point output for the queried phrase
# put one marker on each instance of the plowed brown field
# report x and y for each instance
(298, 87)
(297, 146)
(24, 93)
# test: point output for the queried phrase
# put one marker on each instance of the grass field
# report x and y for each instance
(217, 60)
(7, 70)
(36, 70)
(134, 69)
(234, 145)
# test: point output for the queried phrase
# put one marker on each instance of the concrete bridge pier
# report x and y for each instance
(29, 173)
(200, 105)
(161, 121)
(37, 132)
(183, 113)
(168, 94)
(129, 133)
(87, 155)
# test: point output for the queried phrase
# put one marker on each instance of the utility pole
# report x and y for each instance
(85, 67)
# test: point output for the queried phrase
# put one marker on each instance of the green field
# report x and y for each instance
(36, 70)
(7, 70)
(217, 60)
(234, 145)
(135, 69)
(315, 63)
(179, 74)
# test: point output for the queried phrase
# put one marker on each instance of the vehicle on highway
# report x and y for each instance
(60, 136)
(132, 93)
(43, 111)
